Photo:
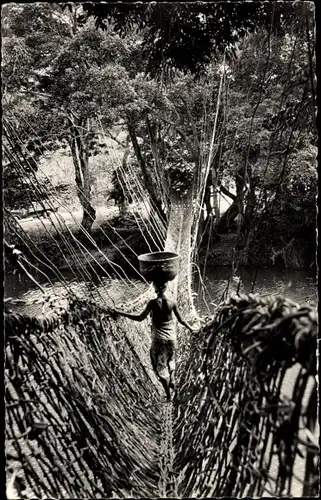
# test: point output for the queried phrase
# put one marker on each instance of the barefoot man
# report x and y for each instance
(162, 351)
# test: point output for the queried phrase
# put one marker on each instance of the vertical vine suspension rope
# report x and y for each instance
(201, 194)
(94, 243)
(80, 227)
(135, 195)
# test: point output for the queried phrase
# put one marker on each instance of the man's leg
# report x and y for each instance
(157, 356)
(171, 364)
(165, 384)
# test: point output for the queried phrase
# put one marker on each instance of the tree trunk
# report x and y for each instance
(205, 224)
(161, 180)
(148, 181)
(178, 240)
(208, 193)
(123, 207)
(89, 214)
(215, 200)
(123, 201)
(227, 192)
(211, 195)
(82, 177)
(227, 218)
(216, 174)
(207, 203)
(246, 229)
(235, 209)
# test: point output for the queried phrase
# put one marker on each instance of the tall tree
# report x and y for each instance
(97, 79)
(166, 29)
(54, 65)
(186, 36)
(271, 125)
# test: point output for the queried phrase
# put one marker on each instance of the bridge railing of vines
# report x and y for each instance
(80, 406)
(246, 423)
(83, 409)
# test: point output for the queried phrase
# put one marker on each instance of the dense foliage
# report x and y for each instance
(186, 36)
(247, 121)
(60, 85)
(276, 147)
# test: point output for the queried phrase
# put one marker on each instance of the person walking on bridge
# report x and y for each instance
(162, 352)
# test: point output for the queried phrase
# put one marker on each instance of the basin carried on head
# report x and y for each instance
(159, 267)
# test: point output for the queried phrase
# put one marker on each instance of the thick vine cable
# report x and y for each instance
(19, 234)
(49, 233)
(80, 266)
(85, 276)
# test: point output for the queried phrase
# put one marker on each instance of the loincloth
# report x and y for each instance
(162, 350)
(162, 353)
(164, 331)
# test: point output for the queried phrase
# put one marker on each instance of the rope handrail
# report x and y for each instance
(80, 357)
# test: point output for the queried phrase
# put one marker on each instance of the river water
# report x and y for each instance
(299, 286)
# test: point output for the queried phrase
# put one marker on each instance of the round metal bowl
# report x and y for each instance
(159, 267)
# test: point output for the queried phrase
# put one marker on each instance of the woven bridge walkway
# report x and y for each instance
(85, 416)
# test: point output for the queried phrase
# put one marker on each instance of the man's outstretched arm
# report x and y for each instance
(136, 317)
(182, 321)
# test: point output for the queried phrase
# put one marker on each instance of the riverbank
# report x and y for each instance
(114, 240)
(59, 240)
(108, 259)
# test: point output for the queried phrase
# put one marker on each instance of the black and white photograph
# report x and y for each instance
(160, 206)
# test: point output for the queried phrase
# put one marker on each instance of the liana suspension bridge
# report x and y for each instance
(85, 415)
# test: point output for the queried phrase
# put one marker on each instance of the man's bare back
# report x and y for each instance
(162, 310)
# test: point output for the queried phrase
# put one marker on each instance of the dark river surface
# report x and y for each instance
(300, 286)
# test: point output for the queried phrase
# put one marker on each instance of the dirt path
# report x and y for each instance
(71, 219)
